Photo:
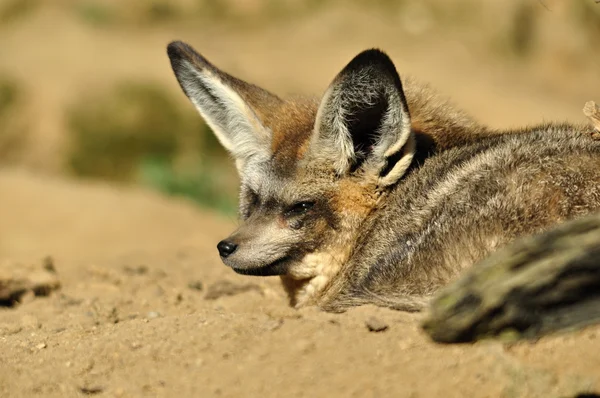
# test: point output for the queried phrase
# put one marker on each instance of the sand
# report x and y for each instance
(146, 308)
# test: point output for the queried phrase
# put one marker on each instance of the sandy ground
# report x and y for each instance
(147, 309)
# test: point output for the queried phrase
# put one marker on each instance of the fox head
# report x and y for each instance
(311, 171)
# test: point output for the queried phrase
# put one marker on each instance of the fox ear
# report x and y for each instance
(363, 122)
(232, 108)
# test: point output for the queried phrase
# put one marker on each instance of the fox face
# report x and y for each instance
(311, 171)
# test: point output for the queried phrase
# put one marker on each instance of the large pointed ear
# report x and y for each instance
(235, 110)
(363, 123)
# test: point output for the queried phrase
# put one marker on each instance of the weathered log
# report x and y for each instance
(535, 286)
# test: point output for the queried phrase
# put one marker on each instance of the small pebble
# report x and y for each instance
(376, 325)
(135, 345)
(153, 315)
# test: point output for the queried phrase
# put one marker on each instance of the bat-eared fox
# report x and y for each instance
(380, 192)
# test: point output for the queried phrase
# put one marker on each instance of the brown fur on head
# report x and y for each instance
(310, 171)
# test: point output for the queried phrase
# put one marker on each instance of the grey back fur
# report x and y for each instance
(462, 204)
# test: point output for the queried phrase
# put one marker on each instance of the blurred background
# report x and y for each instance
(86, 90)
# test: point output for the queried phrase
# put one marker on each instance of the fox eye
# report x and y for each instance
(251, 203)
(252, 199)
(299, 208)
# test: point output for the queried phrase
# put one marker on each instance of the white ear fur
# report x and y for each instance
(232, 120)
(339, 148)
(397, 144)
(218, 98)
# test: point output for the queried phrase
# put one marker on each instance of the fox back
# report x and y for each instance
(377, 193)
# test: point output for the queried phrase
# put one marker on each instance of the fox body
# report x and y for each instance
(380, 193)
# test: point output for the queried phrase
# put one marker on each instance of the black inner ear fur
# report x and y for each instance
(363, 122)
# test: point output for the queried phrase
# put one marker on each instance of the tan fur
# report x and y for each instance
(306, 282)
(355, 197)
(291, 129)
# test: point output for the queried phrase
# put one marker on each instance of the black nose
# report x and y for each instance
(226, 248)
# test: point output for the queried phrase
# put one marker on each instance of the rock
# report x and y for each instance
(376, 325)
(226, 288)
(535, 286)
(17, 280)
